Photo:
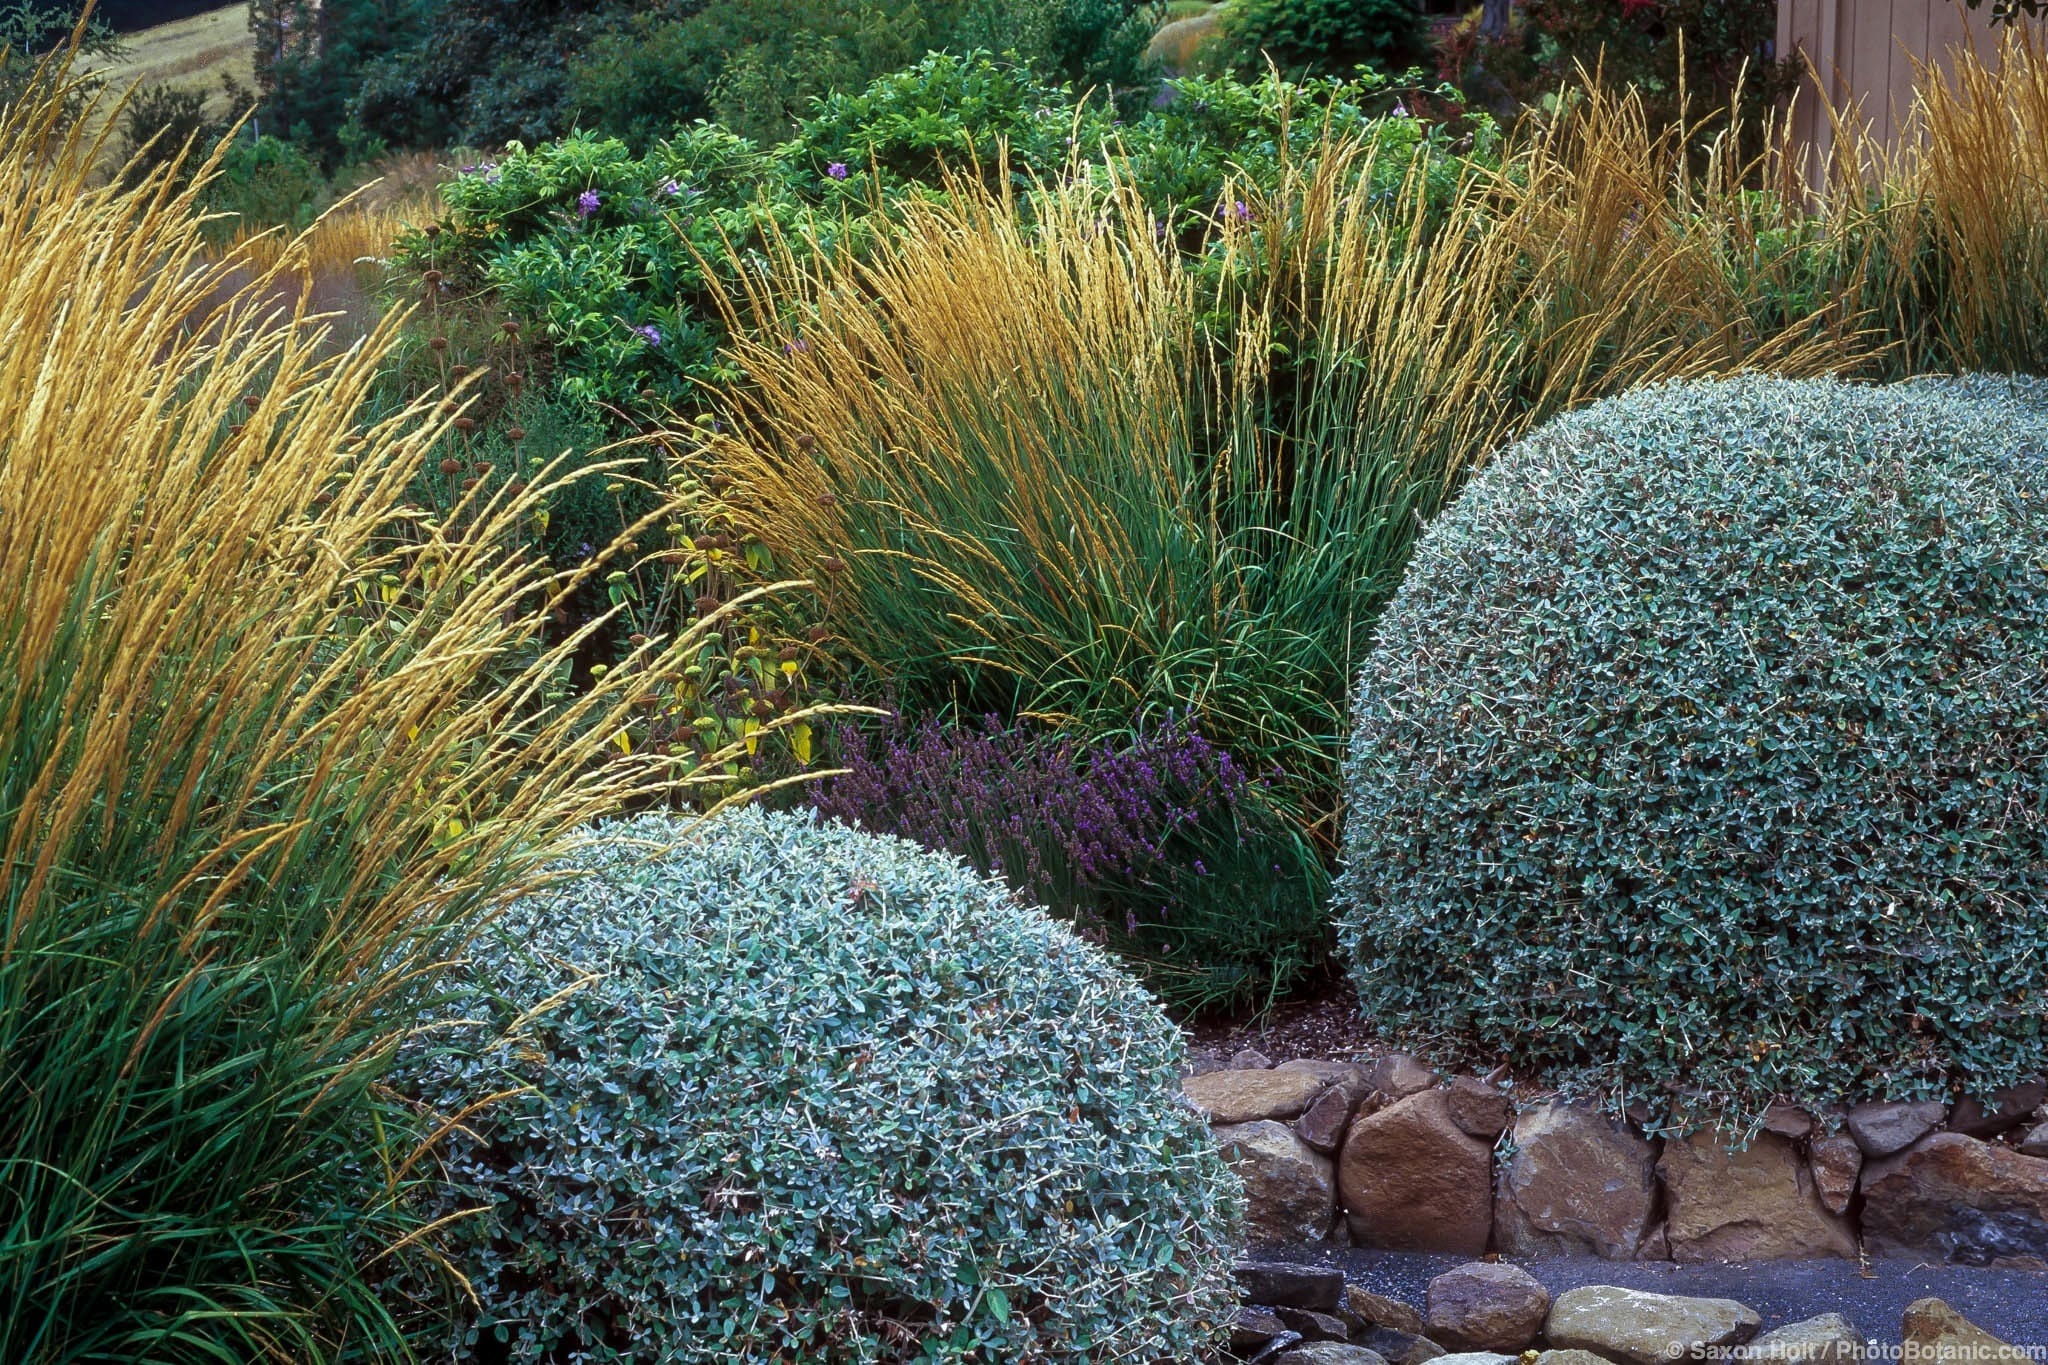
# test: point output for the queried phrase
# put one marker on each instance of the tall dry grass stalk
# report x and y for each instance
(271, 742)
(1051, 490)
(1965, 208)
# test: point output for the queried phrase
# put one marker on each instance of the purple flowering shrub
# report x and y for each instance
(1163, 847)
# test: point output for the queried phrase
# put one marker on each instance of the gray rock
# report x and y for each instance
(1475, 1358)
(1227, 1097)
(1254, 1329)
(1884, 1129)
(1578, 1183)
(1569, 1358)
(1788, 1120)
(1250, 1059)
(1282, 1284)
(1322, 1127)
(1399, 1075)
(1328, 1072)
(2009, 1109)
(1412, 1180)
(1314, 1326)
(1830, 1339)
(1935, 1332)
(1400, 1348)
(1636, 1328)
(1758, 1203)
(1836, 1162)
(1480, 1109)
(1332, 1353)
(1381, 1311)
(1486, 1306)
(1955, 1198)
(1291, 1189)
(2036, 1142)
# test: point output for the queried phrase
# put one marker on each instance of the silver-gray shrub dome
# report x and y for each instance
(809, 1094)
(1702, 752)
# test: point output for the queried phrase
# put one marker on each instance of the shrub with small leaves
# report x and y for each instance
(1702, 750)
(788, 1091)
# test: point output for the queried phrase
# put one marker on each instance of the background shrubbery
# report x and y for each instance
(893, 1108)
(1700, 751)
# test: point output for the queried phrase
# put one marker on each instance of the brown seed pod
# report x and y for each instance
(648, 395)
(788, 654)
(509, 328)
(481, 467)
(515, 381)
(805, 441)
(322, 498)
(438, 344)
(468, 484)
(451, 466)
(235, 430)
(817, 635)
(832, 564)
(465, 424)
(516, 487)
(458, 371)
(706, 604)
(515, 434)
(433, 229)
(704, 542)
(251, 401)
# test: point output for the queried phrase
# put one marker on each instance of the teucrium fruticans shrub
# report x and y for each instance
(818, 1095)
(1703, 748)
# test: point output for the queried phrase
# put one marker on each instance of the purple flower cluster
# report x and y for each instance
(1068, 824)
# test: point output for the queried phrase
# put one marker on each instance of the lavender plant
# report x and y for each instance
(1164, 846)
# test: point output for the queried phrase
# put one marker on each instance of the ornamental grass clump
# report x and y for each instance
(775, 1089)
(272, 741)
(1700, 756)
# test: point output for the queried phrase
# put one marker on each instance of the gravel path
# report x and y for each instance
(2013, 1304)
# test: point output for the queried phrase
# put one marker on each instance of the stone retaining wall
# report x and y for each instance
(1388, 1154)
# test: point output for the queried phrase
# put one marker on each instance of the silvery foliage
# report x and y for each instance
(1703, 749)
(796, 1092)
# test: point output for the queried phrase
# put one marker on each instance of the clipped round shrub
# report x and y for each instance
(795, 1092)
(1701, 754)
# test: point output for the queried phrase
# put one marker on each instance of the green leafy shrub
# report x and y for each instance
(1701, 749)
(805, 1093)
(1331, 36)
(267, 182)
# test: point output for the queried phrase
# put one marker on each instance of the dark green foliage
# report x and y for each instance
(267, 182)
(29, 32)
(482, 72)
(886, 1098)
(1702, 749)
(1703, 49)
(1332, 37)
(310, 88)
(657, 247)
(949, 114)
(160, 124)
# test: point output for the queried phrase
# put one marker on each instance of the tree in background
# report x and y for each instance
(313, 57)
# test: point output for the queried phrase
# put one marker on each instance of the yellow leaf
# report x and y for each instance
(624, 741)
(751, 729)
(800, 741)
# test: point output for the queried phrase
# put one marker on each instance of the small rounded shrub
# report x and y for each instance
(804, 1093)
(1332, 37)
(1702, 751)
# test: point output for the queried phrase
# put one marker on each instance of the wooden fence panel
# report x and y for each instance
(1865, 51)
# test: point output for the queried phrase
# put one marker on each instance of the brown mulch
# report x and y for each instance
(1325, 1025)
